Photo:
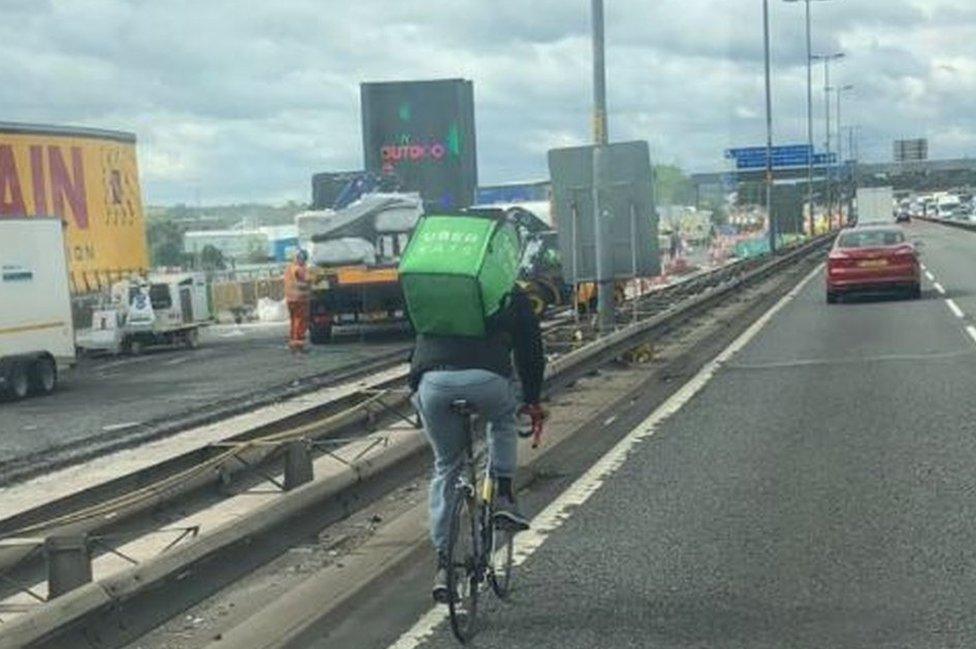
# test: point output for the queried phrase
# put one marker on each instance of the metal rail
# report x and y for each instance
(952, 223)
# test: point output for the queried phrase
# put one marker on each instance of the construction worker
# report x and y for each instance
(297, 291)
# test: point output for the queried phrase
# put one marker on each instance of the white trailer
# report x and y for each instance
(875, 205)
(36, 332)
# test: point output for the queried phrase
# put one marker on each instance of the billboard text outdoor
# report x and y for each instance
(423, 132)
(90, 180)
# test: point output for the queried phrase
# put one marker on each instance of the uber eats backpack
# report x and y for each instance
(457, 272)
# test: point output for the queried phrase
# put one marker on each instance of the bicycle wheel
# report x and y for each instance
(503, 552)
(462, 569)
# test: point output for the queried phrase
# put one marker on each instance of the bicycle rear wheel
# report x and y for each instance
(462, 569)
(501, 563)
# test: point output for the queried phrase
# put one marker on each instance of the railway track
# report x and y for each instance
(353, 430)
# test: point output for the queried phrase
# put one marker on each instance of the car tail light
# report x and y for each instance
(839, 262)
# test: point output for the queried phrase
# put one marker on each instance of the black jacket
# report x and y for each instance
(514, 329)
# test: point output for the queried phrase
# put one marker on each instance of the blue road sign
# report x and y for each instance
(791, 155)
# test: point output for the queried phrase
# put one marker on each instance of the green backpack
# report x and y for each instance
(457, 272)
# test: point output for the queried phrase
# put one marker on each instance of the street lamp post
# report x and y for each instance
(827, 58)
(809, 114)
(769, 133)
(604, 282)
(840, 90)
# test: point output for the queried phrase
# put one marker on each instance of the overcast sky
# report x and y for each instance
(242, 100)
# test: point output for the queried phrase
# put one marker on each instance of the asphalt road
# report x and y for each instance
(114, 395)
(819, 491)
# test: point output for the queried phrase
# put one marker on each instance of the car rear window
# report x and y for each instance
(871, 238)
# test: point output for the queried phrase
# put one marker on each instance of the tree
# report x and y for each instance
(212, 258)
(672, 186)
(165, 242)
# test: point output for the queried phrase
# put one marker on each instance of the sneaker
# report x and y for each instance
(507, 515)
(440, 591)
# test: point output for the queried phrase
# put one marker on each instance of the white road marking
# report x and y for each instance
(922, 266)
(971, 330)
(113, 427)
(930, 276)
(939, 288)
(559, 510)
(956, 311)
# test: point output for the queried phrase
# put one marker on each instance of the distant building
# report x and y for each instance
(234, 244)
(276, 242)
(911, 150)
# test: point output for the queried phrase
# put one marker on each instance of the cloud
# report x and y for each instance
(245, 99)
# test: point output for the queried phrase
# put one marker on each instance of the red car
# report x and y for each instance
(872, 258)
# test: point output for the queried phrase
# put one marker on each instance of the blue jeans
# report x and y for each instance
(494, 398)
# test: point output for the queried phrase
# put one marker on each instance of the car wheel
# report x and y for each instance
(832, 298)
(43, 376)
(18, 382)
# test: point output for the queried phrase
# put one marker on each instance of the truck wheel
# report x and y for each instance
(43, 376)
(18, 383)
(320, 334)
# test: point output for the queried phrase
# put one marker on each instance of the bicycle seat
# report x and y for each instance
(462, 407)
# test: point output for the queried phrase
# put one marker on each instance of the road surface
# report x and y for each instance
(818, 490)
(106, 396)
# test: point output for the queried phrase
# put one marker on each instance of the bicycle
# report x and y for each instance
(477, 550)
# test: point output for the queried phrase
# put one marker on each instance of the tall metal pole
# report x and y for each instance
(840, 149)
(604, 282)
(810, 122)
(810, 59)
(828, 173)
(769, 133)
(828, 169)
(839, 185)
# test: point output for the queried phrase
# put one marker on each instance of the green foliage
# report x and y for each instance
(672, 186)
(211, 258)
(165, 242)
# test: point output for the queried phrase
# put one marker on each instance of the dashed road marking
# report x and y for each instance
(938, 287)
(559, 510)
(956, 311)
(971, 330)
(930, 276)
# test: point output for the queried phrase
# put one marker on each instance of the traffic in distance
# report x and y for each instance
(577, 324)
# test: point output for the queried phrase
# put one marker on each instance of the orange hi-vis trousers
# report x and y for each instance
(298, 313)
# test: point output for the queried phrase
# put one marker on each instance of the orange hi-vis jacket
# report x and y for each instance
(297, 288)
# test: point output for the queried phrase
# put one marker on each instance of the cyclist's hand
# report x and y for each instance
(538, 414)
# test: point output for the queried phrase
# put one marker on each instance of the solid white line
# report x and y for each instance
(971, 330)
(938, 287)
(956, 311)
(930, 276)
(559, 510)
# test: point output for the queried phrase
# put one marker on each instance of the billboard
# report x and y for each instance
(630, 224)
(423, 132)
(90, 180)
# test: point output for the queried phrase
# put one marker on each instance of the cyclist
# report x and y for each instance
(445, 369)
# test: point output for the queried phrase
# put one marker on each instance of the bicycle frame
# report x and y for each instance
(480, 503)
